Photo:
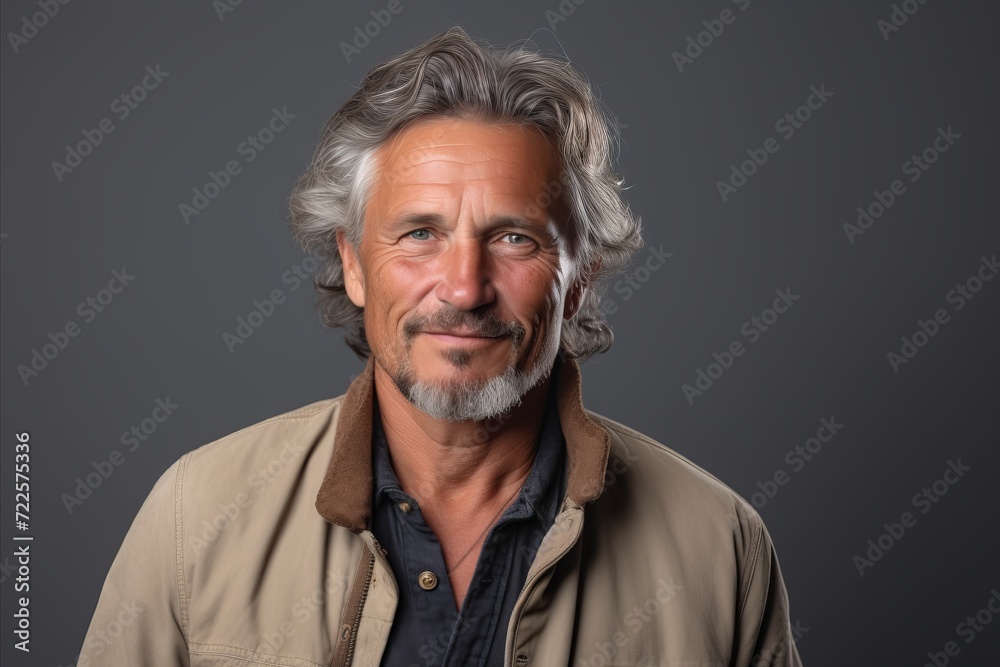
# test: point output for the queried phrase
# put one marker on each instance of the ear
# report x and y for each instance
(576, 291)
(354, 278)
(574, 298)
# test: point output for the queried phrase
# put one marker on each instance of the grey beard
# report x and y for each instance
(475, 400)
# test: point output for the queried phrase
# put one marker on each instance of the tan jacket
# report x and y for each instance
(235, 559)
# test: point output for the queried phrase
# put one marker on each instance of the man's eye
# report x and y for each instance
(521, 238)
(419, 231)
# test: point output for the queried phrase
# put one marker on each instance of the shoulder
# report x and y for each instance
(658, 482)
(293, 429)
(630, 447)
(662, 518)
(272, 456)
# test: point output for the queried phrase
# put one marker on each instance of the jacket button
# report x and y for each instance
(405, 506)
(427, 580)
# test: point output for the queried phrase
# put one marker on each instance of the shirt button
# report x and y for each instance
(405, 506)
(427, 580)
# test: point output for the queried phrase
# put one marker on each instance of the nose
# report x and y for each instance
(465, 282)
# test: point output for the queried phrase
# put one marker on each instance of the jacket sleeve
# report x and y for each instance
(765, 637)
(139, 618)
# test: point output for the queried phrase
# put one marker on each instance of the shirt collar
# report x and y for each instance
(345, 496)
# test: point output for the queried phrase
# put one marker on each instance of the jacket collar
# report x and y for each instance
(345, 496)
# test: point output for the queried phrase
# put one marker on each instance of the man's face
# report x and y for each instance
(458, 239)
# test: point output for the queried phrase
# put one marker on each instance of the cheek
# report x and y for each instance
(533, 296)
(394, 290)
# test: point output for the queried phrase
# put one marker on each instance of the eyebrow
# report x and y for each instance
(437, 220)
(410, 219)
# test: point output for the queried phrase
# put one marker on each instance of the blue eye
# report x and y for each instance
(417, 231)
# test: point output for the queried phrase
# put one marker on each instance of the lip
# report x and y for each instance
(456, 339)
(457, 334)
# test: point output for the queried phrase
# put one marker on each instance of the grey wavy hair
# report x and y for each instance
(450, 75)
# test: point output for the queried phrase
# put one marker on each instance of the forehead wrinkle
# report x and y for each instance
(476, 155)
(413, 160)
(395, 146)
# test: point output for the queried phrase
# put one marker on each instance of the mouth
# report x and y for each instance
(459, 334)
(461, 338)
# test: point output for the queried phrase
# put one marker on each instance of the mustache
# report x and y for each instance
(486, 324)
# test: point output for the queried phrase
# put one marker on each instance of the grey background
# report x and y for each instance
(680, 132)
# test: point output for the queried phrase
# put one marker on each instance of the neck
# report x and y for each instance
(459, 464)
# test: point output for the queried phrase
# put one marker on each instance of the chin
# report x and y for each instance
(474, 399)
(465, 394)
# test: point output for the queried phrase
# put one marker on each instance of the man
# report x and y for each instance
(458, 505)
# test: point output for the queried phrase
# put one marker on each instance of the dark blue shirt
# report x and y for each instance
(427, 629)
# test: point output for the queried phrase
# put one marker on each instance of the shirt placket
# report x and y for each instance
(429, 589)
(478, 618)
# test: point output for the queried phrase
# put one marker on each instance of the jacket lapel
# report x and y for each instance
(345, 496)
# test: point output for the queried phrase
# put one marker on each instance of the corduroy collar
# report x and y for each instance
(345, 496)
